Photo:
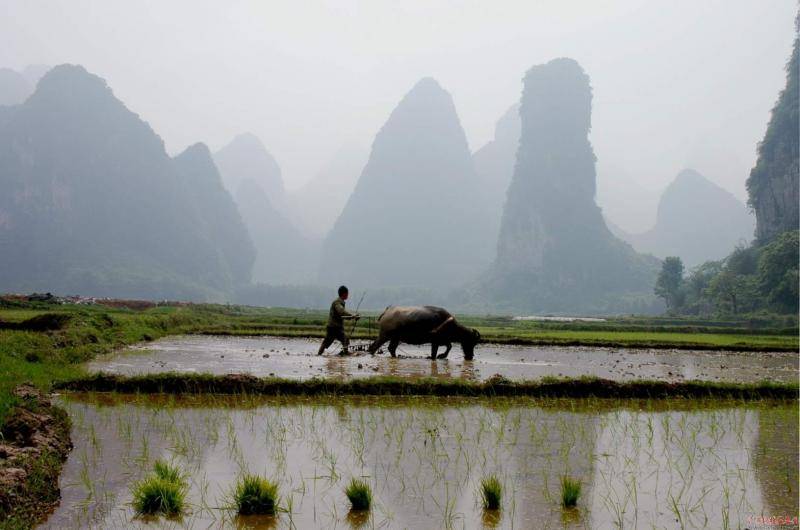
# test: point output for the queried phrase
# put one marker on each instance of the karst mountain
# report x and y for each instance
(415, 217)
(554, 251)
(93, 204)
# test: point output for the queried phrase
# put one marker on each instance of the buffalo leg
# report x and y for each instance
(448, 347)
(434, 349)
(375, 346)
(393, 344)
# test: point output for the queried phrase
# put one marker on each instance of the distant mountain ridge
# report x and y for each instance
(217, 211)
(697, 221)
(318, 203)
(494, 164)
(284, 255)
(415, 217)
(14, 87)
(93, 204)
(246, 158)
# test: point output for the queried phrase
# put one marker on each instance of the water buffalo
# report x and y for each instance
(421, 325)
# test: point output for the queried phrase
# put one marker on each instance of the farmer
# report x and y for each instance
(336, 317)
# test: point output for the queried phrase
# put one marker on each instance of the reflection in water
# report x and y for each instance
(660, 470)
(491, 518)
(358, 519)
(641, 463)
(571, 517)
(778, 437)
(256, 522)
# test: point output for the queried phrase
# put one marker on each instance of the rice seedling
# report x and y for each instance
(255, 495)
(155, 495)
(162, 492)
(491, 493)
(168, 472)
(359, 493)
(570, 491)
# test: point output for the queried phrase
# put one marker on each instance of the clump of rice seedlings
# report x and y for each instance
(570, 491)
(359, 494)
(168, 472)
(163, 492)
(491, 493)
(255, 495)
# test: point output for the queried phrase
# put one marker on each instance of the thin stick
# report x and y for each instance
(355, 320)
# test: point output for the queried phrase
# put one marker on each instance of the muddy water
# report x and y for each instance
(296, 358)
(641, 464)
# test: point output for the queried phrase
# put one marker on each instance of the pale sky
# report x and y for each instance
(684, 83)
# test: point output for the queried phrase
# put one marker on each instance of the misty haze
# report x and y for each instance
(491, 203)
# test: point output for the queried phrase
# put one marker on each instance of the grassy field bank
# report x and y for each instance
(41, 342)
(584, 387)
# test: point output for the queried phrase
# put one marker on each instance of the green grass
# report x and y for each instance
(186, 383)
(255, 495)
(162, 492)
(491, 493)
(82, 332)
(570, 491)
(359, 493)
(779, 333)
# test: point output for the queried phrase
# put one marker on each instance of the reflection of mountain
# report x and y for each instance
(648, 463)
(557, 442)
(697, 221)
(775, 459)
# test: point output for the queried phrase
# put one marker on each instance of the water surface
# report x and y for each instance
(642, 464)
(296, 358)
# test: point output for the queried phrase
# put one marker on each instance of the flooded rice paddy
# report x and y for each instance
(641, 464)
(296, 358)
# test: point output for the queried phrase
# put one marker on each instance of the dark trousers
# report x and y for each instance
(332, 334)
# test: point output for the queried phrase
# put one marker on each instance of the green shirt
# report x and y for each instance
(337, 314)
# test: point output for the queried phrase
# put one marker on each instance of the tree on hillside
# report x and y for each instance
(670, 281)
(734, 293)
(778, 271)
(696, 300)
(743, 260)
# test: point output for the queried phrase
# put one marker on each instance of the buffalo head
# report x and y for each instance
(468, 341)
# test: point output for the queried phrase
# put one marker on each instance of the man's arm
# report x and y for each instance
(344, 313)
